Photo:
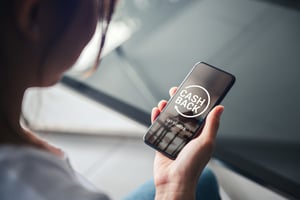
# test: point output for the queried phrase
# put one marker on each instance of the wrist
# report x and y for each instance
(175, 191)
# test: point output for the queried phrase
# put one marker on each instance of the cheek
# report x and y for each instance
(81, 30)
(73, 40)
(84, 25)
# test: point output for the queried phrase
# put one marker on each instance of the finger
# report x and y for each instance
(161, 105)
(154, 113)
(212, 122)
(204, 144)
(172, 91)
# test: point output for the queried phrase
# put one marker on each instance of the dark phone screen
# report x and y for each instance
(203, 88)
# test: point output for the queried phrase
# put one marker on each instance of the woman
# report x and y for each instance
(40, 40)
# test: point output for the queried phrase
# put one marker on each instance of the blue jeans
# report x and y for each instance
(207, 188)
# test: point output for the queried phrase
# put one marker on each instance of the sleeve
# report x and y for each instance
(39, 176)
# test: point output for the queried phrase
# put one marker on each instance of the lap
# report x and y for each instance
(207, 188)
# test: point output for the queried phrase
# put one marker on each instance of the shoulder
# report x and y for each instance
(28, 173)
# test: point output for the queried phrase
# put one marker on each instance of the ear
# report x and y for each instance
(27, 18)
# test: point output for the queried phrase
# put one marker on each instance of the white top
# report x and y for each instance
(30, 174)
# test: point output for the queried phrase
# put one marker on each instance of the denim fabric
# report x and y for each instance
(207, 188)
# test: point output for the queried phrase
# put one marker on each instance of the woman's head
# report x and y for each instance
(39, 40)
(42, 38)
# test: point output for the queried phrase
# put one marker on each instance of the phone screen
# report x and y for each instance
(203, 88)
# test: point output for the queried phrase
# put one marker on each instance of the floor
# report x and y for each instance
(116, 161)
(115, 165)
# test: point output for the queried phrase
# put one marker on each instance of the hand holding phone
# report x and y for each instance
(184, 115)
(178, 179)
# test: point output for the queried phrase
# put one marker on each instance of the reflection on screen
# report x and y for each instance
(180, 121)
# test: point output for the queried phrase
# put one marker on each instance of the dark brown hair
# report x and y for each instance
(106, 10)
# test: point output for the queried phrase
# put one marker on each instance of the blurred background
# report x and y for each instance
(151, 46)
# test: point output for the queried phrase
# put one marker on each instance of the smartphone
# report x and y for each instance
(184, 115)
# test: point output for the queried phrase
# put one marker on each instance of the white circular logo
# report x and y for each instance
(192, 101)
